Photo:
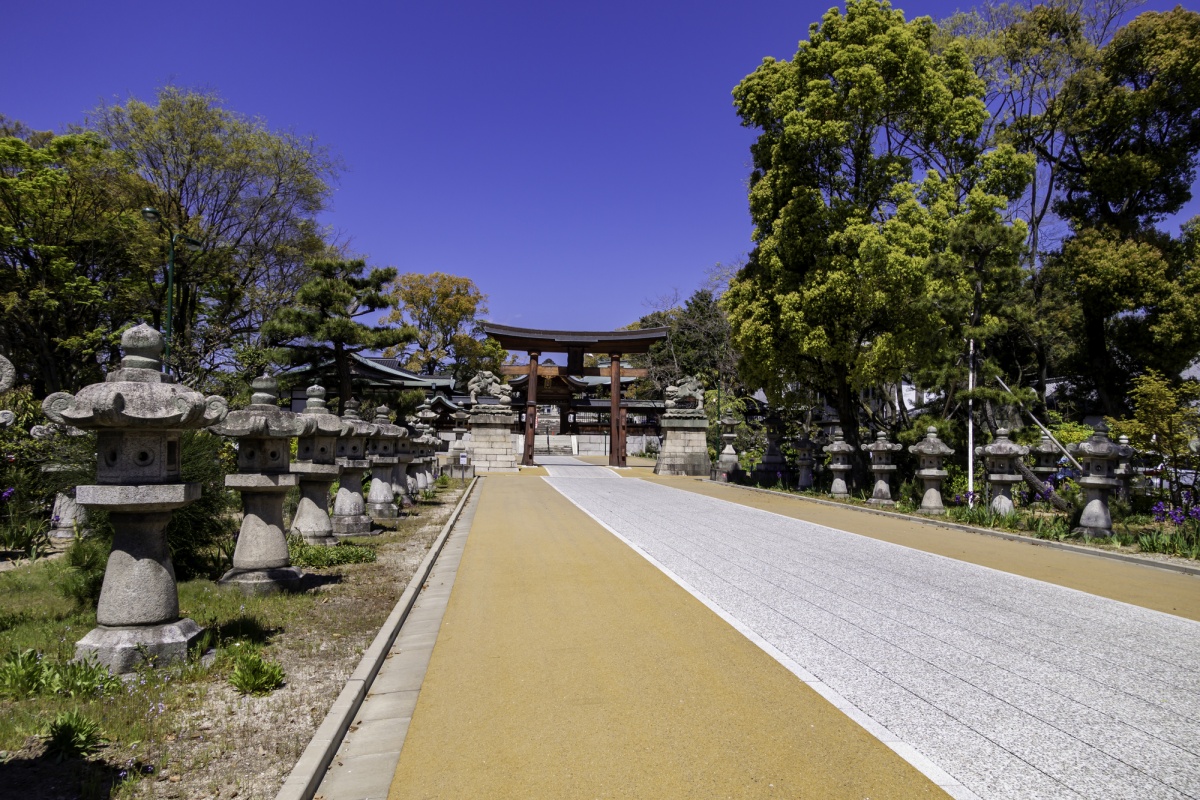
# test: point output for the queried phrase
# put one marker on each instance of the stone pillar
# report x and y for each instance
(491, 445)
(316, 468)
(381, 501)
(1098, 455)
(839, 464)
(773, 468)
(405, 453)
(139, 414)
(349, 509)
(263, 430)
(805, 447)
(1124, 473)
(882, 468)
(728, 467)
(930, 453)
(685, 430)
(1000, 461)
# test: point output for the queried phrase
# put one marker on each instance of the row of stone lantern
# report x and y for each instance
(139, 414)
(1106, 468)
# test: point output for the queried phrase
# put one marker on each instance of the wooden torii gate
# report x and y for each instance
(575, 344)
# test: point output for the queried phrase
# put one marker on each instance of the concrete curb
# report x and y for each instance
(938, 522)
(306, 775)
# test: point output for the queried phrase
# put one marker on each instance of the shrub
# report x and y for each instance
(254, 675)
(443, 481)
(21, 675)
(86, 560)
(201, 535)
(26, 535)
(72, 735)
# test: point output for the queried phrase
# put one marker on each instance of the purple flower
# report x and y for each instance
(1177, 516)
(7, 493)
(1160, 511)
(1194, 512)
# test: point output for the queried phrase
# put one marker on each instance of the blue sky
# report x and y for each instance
(577, 161)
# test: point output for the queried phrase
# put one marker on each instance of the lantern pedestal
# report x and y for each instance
(685, 444)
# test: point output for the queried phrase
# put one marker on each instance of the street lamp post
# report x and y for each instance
(151, 214)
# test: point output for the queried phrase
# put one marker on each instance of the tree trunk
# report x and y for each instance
(1035, 483)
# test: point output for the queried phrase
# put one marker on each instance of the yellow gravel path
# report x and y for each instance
(568, 666)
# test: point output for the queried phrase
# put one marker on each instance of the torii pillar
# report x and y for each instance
(531, 409)
(616, 433)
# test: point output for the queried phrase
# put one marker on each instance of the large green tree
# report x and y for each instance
(880, 238)
(249, 194)
(1134, 139)
(71, 248)
(445, 312)
(321, 324)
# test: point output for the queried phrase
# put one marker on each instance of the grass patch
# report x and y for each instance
(320, 556)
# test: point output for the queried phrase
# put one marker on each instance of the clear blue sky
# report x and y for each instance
(577, 161)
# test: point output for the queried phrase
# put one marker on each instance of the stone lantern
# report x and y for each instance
(1047, 454)
(805, 447)
(882, 468)
(930, 452)
(1098, 455)
(317, 469)
(839, 463)
(774, 468)
(1124, 473)
(263, 432)
(138, 414)
(1000, 462)
(459, 461)
(349, 509)
(8, 376)
(728, 467)
(426, 417)
(67, 517)
(381, 449)
(406, 453)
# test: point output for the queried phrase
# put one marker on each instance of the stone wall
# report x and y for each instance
(590, 444)
(491, 444)
(685, 445)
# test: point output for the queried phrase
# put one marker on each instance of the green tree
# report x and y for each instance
(70, 272)
(251, 195)
(321, 323)
(1165, 423)
(1134, 139)
(698, 343)
(445, 312)
(877, 208)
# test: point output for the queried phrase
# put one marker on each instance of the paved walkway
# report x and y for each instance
(570, 664)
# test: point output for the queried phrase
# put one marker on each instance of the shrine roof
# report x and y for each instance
(541, 341)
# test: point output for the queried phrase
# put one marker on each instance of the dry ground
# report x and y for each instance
(200, 738)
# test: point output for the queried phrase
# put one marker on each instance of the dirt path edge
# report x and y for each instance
(306, 775)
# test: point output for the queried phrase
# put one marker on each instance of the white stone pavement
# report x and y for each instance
(1014, 687)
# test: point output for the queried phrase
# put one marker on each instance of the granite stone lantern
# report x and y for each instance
(839, 464)
(8, 376)
(316, 468)
(263, 432)
(728, 468)
(930, 453)
(349, 509)
(1000, 462)
(139, 415)
(406, 453)
(882, 468)
(774, 468)
(805, 447)
(1098, 455)
(67, 518)
(381, 449)
(1124, 473)
(459, 461)
(1046, 455)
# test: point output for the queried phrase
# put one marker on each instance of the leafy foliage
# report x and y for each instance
(307, 555)
(73, 735)
(254, 675)
(444, 312)
(27, 674)
(320, 324)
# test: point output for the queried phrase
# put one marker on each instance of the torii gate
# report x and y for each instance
(575, 344)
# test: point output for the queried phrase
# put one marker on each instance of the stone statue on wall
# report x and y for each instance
(486, 384)
(687, 390)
